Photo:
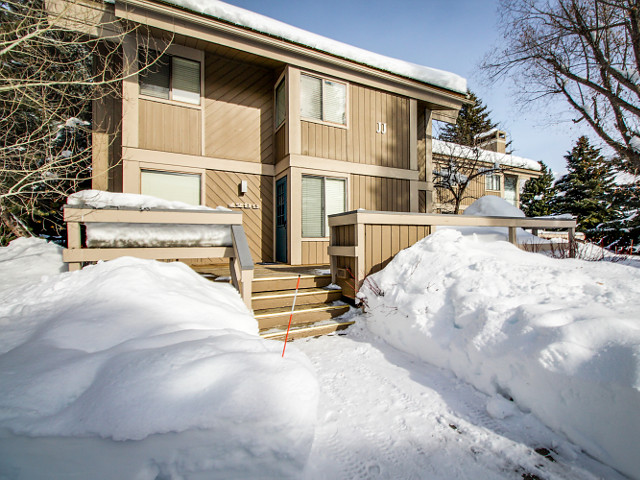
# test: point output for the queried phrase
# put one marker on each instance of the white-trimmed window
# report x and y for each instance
(322, 99)
(171, 78)
(172, 186)
(281, 103)
(321, 197)
(492, 182)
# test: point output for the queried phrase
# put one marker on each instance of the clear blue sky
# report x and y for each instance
(444, 34)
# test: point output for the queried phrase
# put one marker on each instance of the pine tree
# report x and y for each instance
(472, 121)
(587, 190)
(537, 194)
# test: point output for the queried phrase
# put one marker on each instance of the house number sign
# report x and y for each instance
(381, 128)
(250, 206)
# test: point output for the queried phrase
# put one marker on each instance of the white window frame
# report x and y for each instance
(346, 101)
(185, 53)
(325, 222)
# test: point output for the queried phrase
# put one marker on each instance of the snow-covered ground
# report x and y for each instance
(473, 355)
(136, 369)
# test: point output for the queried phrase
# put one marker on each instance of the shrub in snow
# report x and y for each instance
(560, 337)
(154, 368)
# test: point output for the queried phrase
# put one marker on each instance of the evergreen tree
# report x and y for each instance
(472, 121)
(587, 190)
(537, 194)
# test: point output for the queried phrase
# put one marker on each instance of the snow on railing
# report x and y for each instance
(119, 232)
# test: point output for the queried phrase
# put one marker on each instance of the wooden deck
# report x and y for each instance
(264, 271)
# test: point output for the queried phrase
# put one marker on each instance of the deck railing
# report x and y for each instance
(240, 262)
(363, 242)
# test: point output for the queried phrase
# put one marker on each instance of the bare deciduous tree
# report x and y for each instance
(460, 171)
(586, 52)
(55, 60)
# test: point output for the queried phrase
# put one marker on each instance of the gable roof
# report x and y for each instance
(269, 26)
(443, 148)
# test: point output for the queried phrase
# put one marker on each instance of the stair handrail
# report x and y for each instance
(241, 265)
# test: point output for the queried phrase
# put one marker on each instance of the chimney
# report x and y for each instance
(494, 140)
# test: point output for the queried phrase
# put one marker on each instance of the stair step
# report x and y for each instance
(307, 330)
(284, 298)
(277, 317)
(270, 284)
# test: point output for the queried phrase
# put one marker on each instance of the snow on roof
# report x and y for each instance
(260, 23)
(448, 148)
(488, 133)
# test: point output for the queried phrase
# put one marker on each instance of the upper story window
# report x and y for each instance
(323, 100)
(172, 78)
(281, 104)
(492, 182)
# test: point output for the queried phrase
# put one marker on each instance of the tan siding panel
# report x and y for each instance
(222, 189)
(169, 128)
(238, 111)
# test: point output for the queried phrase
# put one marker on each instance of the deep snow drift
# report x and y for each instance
(147, 363)
(559, 337)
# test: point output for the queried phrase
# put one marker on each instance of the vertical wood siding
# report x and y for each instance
(314, 253)
(170, 128)
(422, 148)
(281, 144)
(238, 110)
(383, 242)
(359, 142)
(222, 189)
(379, 193)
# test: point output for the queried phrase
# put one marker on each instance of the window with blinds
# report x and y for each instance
(181, 187)
(492, 182)
(171, 78)
(281, 104)
(322, 99)
(321, 197)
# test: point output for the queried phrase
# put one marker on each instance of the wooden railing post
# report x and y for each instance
(513, 235)
(242, 264)
(74, 242)
(571, 234)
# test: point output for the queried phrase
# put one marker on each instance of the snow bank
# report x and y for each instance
(492, 206)
(132, 235)
(151, 364)
(560, 337)
(26, 260)
(260, 23)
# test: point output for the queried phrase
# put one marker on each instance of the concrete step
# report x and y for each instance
(307, 330)
(271, 284)
(303, 314)
(284, 298)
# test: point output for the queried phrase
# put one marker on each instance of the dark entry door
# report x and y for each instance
(281, 220)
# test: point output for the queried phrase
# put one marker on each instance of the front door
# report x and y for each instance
(281, 220)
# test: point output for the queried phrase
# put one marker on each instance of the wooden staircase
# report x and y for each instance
(273, 291)
(316, 306)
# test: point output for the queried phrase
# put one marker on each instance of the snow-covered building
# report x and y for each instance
(253, 114)
(504, 174)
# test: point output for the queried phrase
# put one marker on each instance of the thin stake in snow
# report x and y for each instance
(291, 316)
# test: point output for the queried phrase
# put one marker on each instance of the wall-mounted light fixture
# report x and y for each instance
(243, 187)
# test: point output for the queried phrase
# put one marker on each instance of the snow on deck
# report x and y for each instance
(260, 23)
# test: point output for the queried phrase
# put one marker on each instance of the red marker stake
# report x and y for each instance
(291, 316)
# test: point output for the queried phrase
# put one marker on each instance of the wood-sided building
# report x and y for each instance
(241, 112)
(505, 174)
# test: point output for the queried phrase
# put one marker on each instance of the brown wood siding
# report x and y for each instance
(443, 200)
(281, 144)
(170, 128)
(359, 142)
(314, 253)
(238, 110)
(344, 235)
(422, 201)
(380, 193)
(107, 131)
(222, 189)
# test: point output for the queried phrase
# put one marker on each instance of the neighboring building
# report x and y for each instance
(285, 125)
(505, 177)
